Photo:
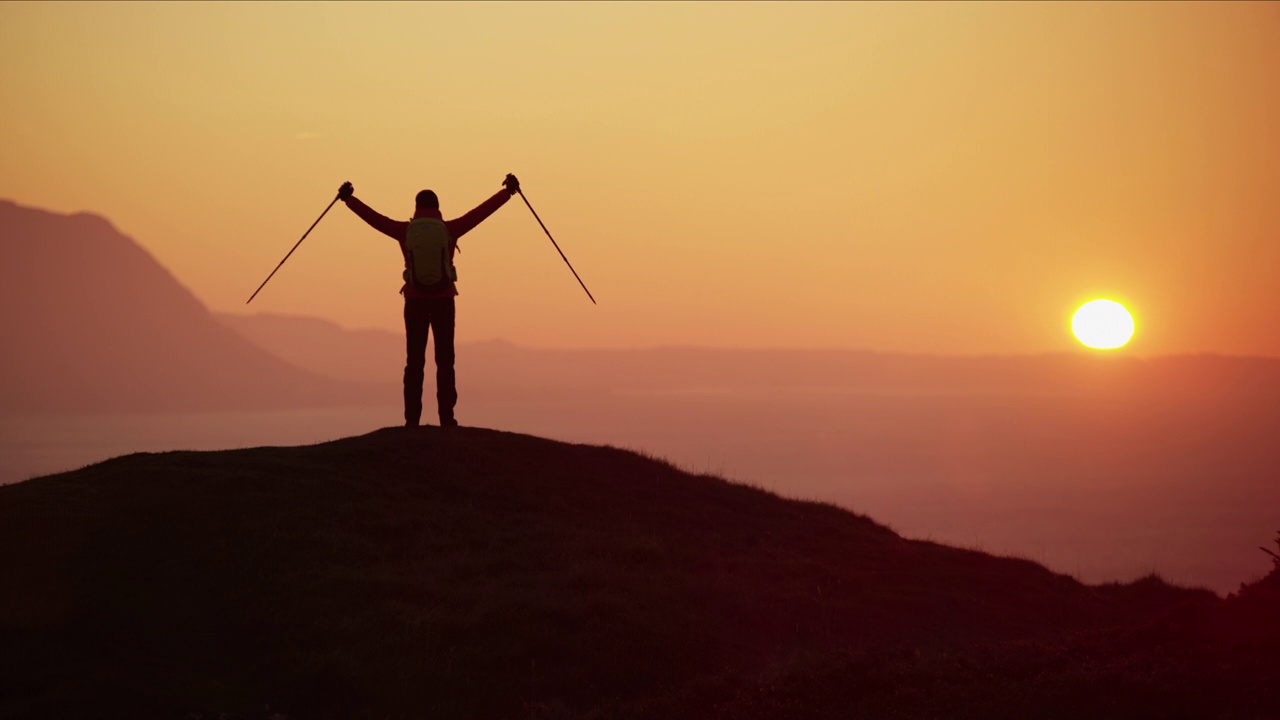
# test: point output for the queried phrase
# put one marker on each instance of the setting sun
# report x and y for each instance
(1102, 324)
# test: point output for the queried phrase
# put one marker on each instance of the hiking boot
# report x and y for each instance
(448, 423)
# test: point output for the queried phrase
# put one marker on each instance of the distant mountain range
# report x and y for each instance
(369, 355)
(91, 322)
(322, 346)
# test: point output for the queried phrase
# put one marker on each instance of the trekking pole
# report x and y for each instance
(553, 242)
(295, 247)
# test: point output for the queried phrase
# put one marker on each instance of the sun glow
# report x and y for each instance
(1102, 324)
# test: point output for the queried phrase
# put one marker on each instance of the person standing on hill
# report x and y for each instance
(428, 244)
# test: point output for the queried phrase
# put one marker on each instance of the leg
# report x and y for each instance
(442, 323)
(416, 321)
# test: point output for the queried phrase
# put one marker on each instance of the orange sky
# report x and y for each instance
(920, 177)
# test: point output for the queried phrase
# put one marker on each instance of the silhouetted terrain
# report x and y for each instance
(1108, 467)
(90, 323)
(483, 574)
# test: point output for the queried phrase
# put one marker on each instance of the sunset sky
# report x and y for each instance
(943, 178)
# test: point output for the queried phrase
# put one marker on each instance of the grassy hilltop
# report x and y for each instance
(479, 574)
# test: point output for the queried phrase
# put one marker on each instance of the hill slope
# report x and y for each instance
(483, 574)
(1102, 466)
(91, 323)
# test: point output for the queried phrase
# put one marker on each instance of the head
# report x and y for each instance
(427, 200)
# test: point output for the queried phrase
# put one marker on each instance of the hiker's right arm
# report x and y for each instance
(393, 229)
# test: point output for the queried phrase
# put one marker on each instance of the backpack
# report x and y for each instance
(428, 265)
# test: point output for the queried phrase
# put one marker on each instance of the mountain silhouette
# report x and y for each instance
(479, 574)
(322, 346)
(91, 322)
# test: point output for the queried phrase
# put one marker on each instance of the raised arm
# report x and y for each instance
(464, 224)
(394, 229)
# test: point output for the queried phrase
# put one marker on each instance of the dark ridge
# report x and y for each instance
(474, 573)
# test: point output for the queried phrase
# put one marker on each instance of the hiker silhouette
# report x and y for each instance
(428, 244)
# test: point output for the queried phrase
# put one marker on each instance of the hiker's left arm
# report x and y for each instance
(464, 224)
(391, 228)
